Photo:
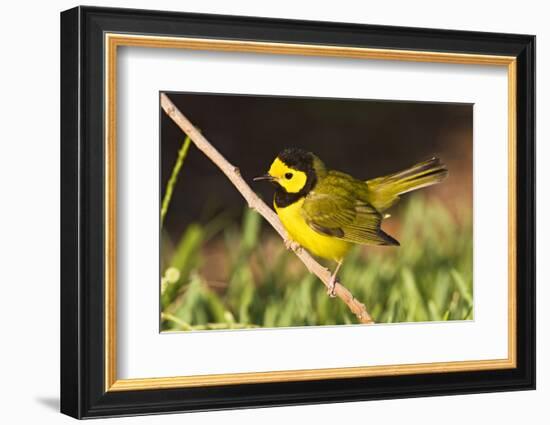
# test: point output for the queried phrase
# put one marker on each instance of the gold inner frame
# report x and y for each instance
(113, 41)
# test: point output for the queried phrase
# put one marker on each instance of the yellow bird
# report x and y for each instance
(327, 211)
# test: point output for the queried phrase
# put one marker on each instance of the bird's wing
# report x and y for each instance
(343, 216)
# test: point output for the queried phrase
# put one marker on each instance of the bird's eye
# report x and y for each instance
(288, 176)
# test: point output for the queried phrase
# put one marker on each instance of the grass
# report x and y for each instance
(182, 154)
(260, 284)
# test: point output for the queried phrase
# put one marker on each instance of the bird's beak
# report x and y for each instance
(264, 177)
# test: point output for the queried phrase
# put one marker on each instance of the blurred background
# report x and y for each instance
(222, 265)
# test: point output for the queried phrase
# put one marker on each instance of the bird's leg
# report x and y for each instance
(332, 281)
(291, 245)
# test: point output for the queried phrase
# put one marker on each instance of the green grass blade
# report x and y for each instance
(182, 154)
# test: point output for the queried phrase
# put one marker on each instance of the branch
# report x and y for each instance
(254, 202)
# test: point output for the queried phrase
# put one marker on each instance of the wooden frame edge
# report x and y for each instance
(138, 384)
(114, 40)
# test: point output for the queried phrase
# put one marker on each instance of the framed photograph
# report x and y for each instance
(261, 212)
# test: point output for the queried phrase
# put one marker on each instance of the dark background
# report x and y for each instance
(365, 138)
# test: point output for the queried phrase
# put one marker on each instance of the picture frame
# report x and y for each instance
(90, 41)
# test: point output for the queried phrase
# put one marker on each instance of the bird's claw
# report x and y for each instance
(331, 291)
(291, 245)
(332, 281)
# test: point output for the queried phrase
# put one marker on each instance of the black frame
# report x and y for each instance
(82, 214)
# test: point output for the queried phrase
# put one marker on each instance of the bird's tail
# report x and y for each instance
(385, 190)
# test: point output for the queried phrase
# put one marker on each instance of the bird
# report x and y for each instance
(328, 211)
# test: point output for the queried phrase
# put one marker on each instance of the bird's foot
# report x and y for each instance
(291, 245)
(332, 281)
(332, 286)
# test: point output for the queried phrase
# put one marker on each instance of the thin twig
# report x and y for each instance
(254, 202)
(184, 326)
(170, 317)
(182, 153)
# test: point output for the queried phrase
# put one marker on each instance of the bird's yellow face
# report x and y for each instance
(290, 179)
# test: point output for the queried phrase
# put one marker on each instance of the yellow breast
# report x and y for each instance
(323, 246)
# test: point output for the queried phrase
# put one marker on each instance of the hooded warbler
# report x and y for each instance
(327, 211)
